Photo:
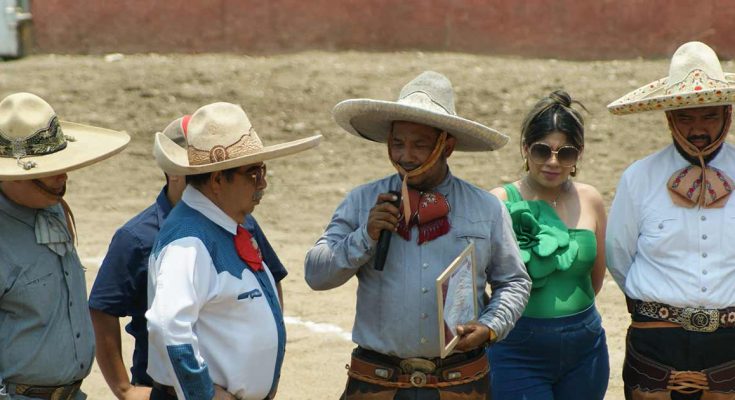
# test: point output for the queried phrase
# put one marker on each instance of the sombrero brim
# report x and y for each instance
(173, 159)
(651, 97)
(89, 145)
(372, 119)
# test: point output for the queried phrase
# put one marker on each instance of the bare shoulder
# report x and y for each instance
(589, 194)
(500, 193)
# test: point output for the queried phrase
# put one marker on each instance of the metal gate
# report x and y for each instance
(15, 16)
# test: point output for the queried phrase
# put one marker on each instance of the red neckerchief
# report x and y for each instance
(429, 212)
(247, 249)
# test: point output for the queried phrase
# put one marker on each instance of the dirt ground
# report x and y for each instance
(289, 97)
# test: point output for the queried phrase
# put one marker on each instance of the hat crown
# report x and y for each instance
(431, 91)
(693, 56)
(219, 132)
(22, 115)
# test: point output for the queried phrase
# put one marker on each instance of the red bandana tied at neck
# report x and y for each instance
(247, 249)
(429, 212)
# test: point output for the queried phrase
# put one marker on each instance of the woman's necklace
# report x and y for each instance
(553, 203)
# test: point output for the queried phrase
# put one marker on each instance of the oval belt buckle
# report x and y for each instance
(418, 379)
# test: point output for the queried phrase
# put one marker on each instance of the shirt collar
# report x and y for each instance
(23, 214)
(196, 200)
(442, 187)
(163, 206)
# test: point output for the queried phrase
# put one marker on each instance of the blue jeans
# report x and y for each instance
(552, 359)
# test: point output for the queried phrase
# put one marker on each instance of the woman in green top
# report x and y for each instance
(557, 349)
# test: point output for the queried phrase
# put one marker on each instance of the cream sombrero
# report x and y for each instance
(428, 100)
(219, 136)
(695, 79)
(35, 144)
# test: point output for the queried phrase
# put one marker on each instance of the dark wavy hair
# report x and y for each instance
(554, 113)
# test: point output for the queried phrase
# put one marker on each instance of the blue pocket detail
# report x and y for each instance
(250, 294)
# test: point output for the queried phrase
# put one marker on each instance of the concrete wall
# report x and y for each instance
(577, 29)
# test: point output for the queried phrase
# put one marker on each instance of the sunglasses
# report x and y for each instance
(257, 174)
(540, 153)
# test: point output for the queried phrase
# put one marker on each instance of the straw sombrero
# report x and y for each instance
(428, 100)
(35, 144)
(219, 136)
(695, 79)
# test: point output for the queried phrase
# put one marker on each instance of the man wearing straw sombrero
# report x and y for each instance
(396, 326)
(215, 324)
(46, 337)
(669, 237)
(122, 280)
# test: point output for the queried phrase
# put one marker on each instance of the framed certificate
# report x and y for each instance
(456, 295)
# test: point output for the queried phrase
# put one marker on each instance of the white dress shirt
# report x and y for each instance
(658, 251)
(225, 318)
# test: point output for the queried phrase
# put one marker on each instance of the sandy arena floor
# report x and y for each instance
(289, 97)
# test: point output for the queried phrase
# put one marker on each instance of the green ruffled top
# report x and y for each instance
(558, 259)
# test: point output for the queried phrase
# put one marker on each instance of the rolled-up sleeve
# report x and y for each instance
(344, 247)
(621, 236)
(508, 279)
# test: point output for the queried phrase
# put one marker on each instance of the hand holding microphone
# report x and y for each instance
(382, 222)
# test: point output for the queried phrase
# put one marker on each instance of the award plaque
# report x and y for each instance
(456, 295)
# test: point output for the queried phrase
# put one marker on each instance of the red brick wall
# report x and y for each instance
(578, 29)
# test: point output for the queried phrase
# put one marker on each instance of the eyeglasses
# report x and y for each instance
(540, 153)
(257, 174)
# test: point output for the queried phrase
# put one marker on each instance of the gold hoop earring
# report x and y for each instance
(525, 164)
(573, 172)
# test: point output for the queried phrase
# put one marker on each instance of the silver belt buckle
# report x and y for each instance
(700, 320)
(418, 368)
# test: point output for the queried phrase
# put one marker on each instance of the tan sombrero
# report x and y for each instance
(695, 79)
(428, 100)
(219, 136)
(35, 144)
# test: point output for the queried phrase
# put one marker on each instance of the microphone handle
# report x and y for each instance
(381, 249)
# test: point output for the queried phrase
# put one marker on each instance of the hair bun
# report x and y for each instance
(561, 97)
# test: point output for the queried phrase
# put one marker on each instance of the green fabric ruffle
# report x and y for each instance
(543, 239)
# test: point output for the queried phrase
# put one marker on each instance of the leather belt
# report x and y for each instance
(689, 318)
(64, 392)
(417, 372)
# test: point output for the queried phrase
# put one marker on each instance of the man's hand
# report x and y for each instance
(136, 393)
(221, 393)
(383, 216)
(472, 335)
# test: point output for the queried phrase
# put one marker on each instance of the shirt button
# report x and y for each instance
(426, 265)
(424, 290)
(703, 218)
(66, 273)
(704, 272)
(660, 226)
(78, 335)
(704, 255)
(70, 304)
(704, 289)
(704, 237)
(81, 366)
(424, 315)
(424, 340)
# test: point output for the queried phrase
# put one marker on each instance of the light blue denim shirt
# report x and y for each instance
(46, 335)
(397, 307)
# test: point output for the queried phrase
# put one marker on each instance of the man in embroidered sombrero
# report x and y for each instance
(669, 237)
(46, 337)
(396, 327)
(122, 281)
(215, 324)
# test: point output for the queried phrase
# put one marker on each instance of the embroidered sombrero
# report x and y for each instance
(428, 99)
(695, 79)
(34, 143)
(219, 136)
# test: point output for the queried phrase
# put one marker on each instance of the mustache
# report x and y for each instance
(699, 137)
(48, 190)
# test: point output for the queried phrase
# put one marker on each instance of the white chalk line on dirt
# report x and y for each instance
(316, 327)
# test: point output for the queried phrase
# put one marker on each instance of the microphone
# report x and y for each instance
(381, 249)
